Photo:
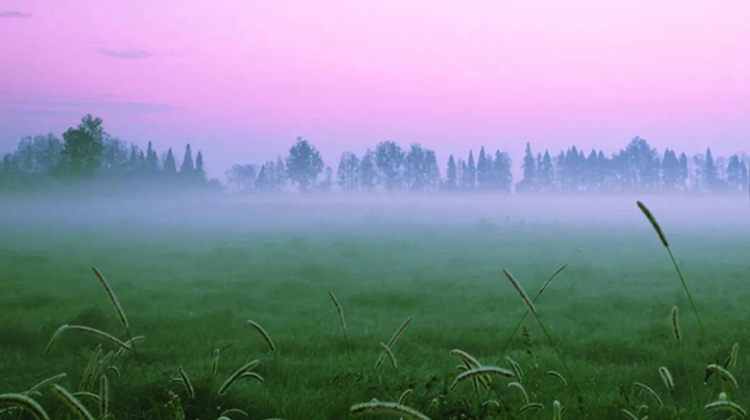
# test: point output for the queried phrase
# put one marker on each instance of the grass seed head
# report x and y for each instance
(654, 223)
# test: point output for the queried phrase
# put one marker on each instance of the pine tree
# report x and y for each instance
(450, 174)
(546, 173)
(187, 166)
(200, 173)
(471, 172)
(710, 173)
(169, 163)
(528, 183)
(484, 170)
(683, 173)
(152, 161)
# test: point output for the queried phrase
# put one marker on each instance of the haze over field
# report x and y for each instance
(223, 210)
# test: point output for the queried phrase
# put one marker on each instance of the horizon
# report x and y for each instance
(241, 82)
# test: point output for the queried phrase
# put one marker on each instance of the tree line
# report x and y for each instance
(87, 151)
(636, 168)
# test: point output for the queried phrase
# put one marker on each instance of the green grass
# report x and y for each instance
(190, 290)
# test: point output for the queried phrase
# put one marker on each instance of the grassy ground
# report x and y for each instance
(190, 290)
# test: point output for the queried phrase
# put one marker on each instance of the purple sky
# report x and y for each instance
(242, 79)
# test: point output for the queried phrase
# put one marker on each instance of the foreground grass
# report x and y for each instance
(191, 290)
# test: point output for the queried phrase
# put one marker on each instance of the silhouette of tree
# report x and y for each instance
(303, 164)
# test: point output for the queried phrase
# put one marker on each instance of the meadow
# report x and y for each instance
(189, 283)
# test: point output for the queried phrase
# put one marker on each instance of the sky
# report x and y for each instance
(242, 79)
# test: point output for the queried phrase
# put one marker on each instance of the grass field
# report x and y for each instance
(190, 289)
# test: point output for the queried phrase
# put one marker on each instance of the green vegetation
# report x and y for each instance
(331, 304)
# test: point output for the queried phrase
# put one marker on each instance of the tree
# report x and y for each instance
(451, 174)
(670, 171)
(484, 170)
(503, 172)
(710, 173)
(347, 172)
(303, 164)
(83, 147)
(367, 172)
(242, 177)
(200, 173)
(546, 173)
(266, 180)
(170, 167)
(737, 177)
(528, 183)
(389, 160)
(470, 174)
(152, 161)
(683, 173)
(281, 174)
(187, 166)
(325, 186)
(416, 169)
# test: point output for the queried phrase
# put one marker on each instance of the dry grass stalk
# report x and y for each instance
(521, 391)
(374, 408)
(263, 333)
(654, 223)
(558, 376)
(519, 289)
(404, 396)
(186, 381)
(629, 414)
(251, 375)
(45, 383)
(26, 403)
(470, 362)
(392, 341)
(88, 330)
(113, 298)
(234, 377)
(215, 362)
(340, 312)
(722, 405)
(649, 391)
(484, 370)
(676, 324)
(531, 406)
(557, 410)
(235, 411)
(73, 403)
(131, 343)
(693, 306)
(666, 377)
(104, 397)
(89, 395)
(723, 373)
(734, 355)
(516, 368)
(549, 280)
(90, 372)
(389, 353)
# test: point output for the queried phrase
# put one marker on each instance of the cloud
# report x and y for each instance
(123, 54)
(14, 14)
(60, 107)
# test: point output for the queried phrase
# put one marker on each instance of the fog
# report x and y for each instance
(303, 213)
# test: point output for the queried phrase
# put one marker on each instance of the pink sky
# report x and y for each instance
(242, 79)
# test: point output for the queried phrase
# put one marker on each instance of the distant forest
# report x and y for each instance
(88, 153)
